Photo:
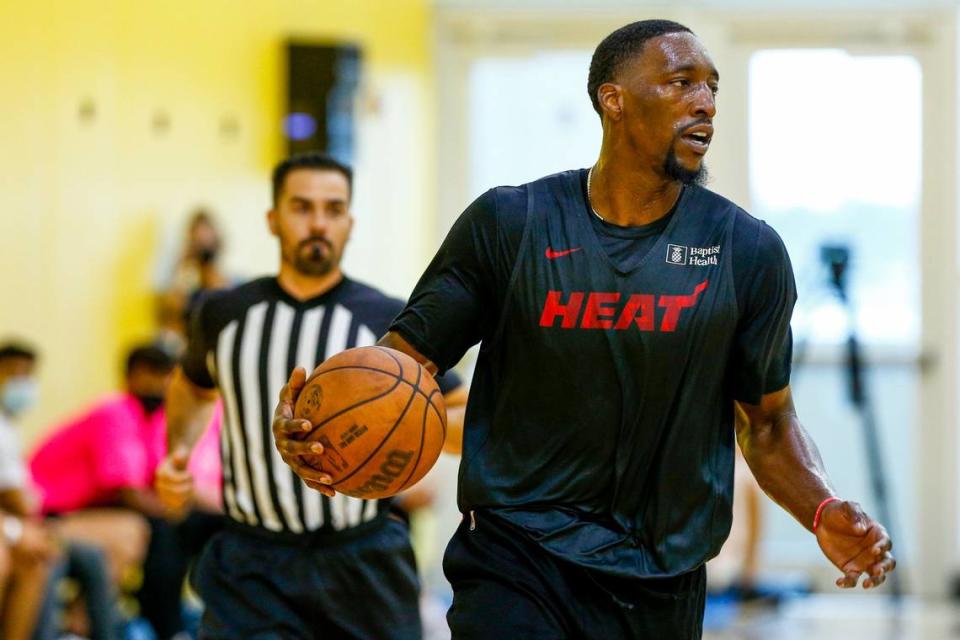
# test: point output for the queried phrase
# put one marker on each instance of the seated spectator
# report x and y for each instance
(102, 460)
(96, 474)
(27, 550)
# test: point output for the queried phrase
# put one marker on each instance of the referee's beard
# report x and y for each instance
(315, 257)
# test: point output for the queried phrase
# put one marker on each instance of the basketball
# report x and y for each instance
(380, 418)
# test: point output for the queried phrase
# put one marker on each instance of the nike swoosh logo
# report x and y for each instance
(551, 254)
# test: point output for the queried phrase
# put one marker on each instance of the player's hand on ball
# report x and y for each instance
(855, 544)
(174, 482)
(287, 433)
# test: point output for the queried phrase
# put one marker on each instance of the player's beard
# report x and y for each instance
(310, 260)
(676, 171)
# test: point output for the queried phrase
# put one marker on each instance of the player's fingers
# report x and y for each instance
(311, 474)
(308, 473)
(294, 384)
(289, 393)
(284, 425)
(325, 489)
(849, 579)
(884, 545)
(874, 581)
(299, 447)
(887, 564)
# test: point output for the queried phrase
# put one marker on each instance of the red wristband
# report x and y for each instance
(816, 516)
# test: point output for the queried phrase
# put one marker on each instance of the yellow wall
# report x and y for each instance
(84, 204)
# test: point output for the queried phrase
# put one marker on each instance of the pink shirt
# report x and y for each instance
(113, 446)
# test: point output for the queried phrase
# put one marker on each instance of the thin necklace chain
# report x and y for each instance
(590, 199)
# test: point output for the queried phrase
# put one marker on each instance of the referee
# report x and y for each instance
(292, 563)
(625, 313)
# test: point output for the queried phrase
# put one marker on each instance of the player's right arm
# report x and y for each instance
(453, 307)
(287, 430)
(780, 453)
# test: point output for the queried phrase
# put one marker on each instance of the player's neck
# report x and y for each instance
(626, 196)
(303, 286)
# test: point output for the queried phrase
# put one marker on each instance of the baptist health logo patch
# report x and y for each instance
(694, 256)
(677, 254)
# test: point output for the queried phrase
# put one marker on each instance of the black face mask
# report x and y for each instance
(207, 255)
(150, 402)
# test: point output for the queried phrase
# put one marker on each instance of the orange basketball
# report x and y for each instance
(380, 418)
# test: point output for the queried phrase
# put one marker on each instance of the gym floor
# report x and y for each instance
(832, 617)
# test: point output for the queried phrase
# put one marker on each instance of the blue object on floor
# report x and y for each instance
(721, 612)
(138, 629)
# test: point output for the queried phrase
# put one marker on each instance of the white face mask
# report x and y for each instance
(19, 394)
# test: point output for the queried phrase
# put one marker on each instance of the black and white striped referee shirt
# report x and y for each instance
(245, 342)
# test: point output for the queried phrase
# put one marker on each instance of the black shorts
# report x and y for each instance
(507, 586)
(255, 588)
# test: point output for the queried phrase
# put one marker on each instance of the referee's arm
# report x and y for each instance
(189, 410)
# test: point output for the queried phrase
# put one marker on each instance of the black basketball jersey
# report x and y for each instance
(245, 342)
(600, 417)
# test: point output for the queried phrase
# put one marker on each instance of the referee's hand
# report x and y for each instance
(174, 482)
(288, 433)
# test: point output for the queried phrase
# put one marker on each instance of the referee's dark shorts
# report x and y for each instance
(506, 586)
(358, 584)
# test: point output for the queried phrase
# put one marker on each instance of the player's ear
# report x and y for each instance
(610, 97)
(272, 221)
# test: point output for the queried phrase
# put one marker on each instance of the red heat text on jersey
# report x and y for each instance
(613, 310)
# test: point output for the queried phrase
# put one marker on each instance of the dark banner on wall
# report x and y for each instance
(322, 83)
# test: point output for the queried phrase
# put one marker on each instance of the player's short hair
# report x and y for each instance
(619, 47)
(151, 358)
(17, 350)
(309, 160)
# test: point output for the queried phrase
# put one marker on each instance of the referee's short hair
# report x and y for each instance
(309, 160)
(151, 358)
(619, 47)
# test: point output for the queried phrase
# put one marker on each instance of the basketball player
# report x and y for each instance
(292, 563)
(624, 313)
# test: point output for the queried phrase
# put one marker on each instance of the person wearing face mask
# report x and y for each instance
(27, 550)
(105, 457)
(95, 475)
(197, 272)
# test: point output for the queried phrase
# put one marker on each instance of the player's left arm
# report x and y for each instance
(455, 401)
(787, 465)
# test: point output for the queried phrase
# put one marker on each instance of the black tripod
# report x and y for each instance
(837, 259)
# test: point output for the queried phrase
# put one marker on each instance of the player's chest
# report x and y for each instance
(676, 289)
